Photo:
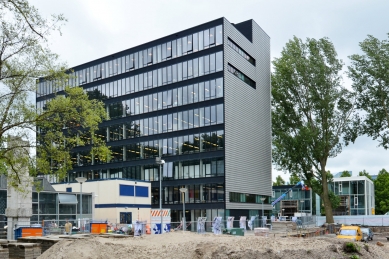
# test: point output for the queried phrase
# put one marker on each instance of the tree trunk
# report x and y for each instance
(326, 199)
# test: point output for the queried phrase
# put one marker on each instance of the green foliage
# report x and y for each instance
(294, 179)
(279, 181)
(24, 57)
(345, 173)
(351, 247)
(381, 192)
(364, 173)
(369, 73)
(311, 111)
(354, 257)
(69, 121)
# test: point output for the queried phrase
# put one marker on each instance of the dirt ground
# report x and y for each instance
(193, 245)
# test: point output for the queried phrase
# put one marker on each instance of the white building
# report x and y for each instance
(116, 200)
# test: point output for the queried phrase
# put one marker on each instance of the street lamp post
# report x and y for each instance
(183, 190)
(263, 199)
(81, 180)
(160, 162)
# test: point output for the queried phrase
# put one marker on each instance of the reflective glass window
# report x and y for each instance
(128, 85)
(179, 96)
(213, 89)
(184, 70)
(140, 82)
(190, 43)
(160, 100)
(175, 97)
(201, 40)
(169, 123)
(179, 48)
(155, 78)
(206, 64)
(220, 116)
(174, 73)
(184, 45)
(174, 48)
(184, 95)
(169, 49)
(140, 59)
(154, 57)
(219, 87)
(145, 104)
(179, 71)
(213, 115)
(201, 91)
(190, 69)
(195, 42)
(136, 60)
(159, 54)
(150, 102)
(159, 76)
(207, 116)
(207, 92)
(196, 118)
(190, 119)
(201, 66)
(149, 56)
(145, 57)
(219, 61)
(163, 51)
(155, 102)
(190, 94)
(219, 35)
(196, 67)
(201, 116)
(212, 36)
(132, 62)
(132, 84)
(149, 79)
(169, 74)
(206, 39)
(164, 123)
(212, 64)
(195, 93)
(185, 118)
(164, 76)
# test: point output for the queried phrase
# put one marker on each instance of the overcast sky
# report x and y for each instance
(97, 28)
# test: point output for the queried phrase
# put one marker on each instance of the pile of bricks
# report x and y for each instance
(45, 243)
(4, 253)
(23, 250)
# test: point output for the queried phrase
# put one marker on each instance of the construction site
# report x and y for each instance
(284, 240)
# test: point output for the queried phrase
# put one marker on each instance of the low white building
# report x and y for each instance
(116, 200)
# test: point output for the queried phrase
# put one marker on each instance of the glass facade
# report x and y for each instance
(47, 206)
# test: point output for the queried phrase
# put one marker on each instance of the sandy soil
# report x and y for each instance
(192, 245)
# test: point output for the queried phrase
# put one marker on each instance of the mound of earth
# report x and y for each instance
(192, 245)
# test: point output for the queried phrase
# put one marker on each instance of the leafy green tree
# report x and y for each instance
(382, 192)
(369, 73)
(279, 181)
(345, 173)
(24, 57)
(311, 112)
(294, 179)
(364, 173)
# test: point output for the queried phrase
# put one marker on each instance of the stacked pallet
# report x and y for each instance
(23, 250)
(4, 253)
(45, 243)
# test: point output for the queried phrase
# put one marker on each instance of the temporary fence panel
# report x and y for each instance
(156, 221)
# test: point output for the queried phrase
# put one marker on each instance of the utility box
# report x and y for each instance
(235, 231)
(98, 227)
(28, 232)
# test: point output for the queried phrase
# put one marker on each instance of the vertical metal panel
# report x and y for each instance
(247, 117)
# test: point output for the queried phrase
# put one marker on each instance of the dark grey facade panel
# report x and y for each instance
(247, 117)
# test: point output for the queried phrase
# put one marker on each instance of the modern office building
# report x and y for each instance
(198, 98)
(356, 195)
(297, 202)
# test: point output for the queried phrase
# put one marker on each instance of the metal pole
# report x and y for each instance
(160, 195)
(81, 206)
(184, 219)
